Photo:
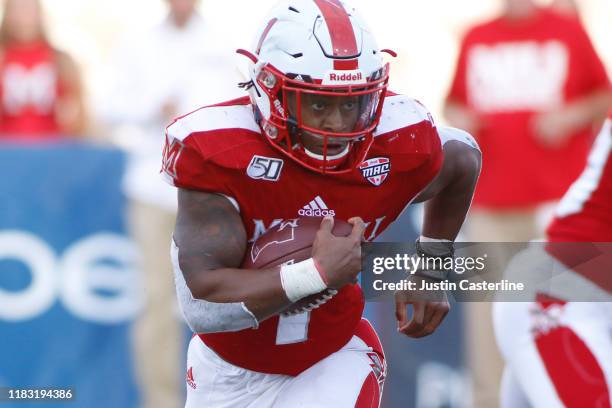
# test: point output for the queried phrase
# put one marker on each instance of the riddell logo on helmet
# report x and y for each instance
(344, 77)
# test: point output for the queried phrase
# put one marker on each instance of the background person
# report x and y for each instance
(174, 67)
(557, 347)
(531, 88)
(41, 95)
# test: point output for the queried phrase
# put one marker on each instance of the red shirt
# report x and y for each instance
(585, 214)
(29, 90)
(507, 72)
(220, 149)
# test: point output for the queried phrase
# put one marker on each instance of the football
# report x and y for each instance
(290, 242)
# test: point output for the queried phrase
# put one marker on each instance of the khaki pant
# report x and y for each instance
(484, 360)
(157, 333)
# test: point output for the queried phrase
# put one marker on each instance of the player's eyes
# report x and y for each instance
(318, 106)
(321, 106)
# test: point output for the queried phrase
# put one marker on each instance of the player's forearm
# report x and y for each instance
(209, 245)
(260, 290)
(446, 211)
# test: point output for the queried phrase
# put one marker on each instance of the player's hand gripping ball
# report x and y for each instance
(291, 242)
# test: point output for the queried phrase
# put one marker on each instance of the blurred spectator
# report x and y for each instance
(40, 89)
(531, 88)
(173, 68)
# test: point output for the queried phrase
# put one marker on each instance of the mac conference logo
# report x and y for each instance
(376, 170)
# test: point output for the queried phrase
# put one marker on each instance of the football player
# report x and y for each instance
(319, 134)
(558, 352)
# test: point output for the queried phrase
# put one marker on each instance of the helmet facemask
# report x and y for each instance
(326, 128)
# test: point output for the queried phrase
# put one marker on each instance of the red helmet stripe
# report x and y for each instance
(346, 64)
(265, 34)
(338, 21)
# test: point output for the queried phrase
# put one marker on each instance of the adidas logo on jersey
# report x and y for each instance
(190, 380)
(316, 208)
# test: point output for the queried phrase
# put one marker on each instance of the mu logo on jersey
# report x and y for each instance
(372, 230)
(285, 227)
(379, 367)
(29, 88)
(376, 170)
(172, 151)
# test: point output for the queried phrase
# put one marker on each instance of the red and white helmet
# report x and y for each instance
(313, 48)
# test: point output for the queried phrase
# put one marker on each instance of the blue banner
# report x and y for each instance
(68, 281)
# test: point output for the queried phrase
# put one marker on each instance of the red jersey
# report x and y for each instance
(220, 149)
(509, 71)
(29, 90)
(585, 212)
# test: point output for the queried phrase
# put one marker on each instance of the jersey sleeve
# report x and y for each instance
(448, 134)
(185, 165)
(410, 118)
(436, 157)
(431, 144)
